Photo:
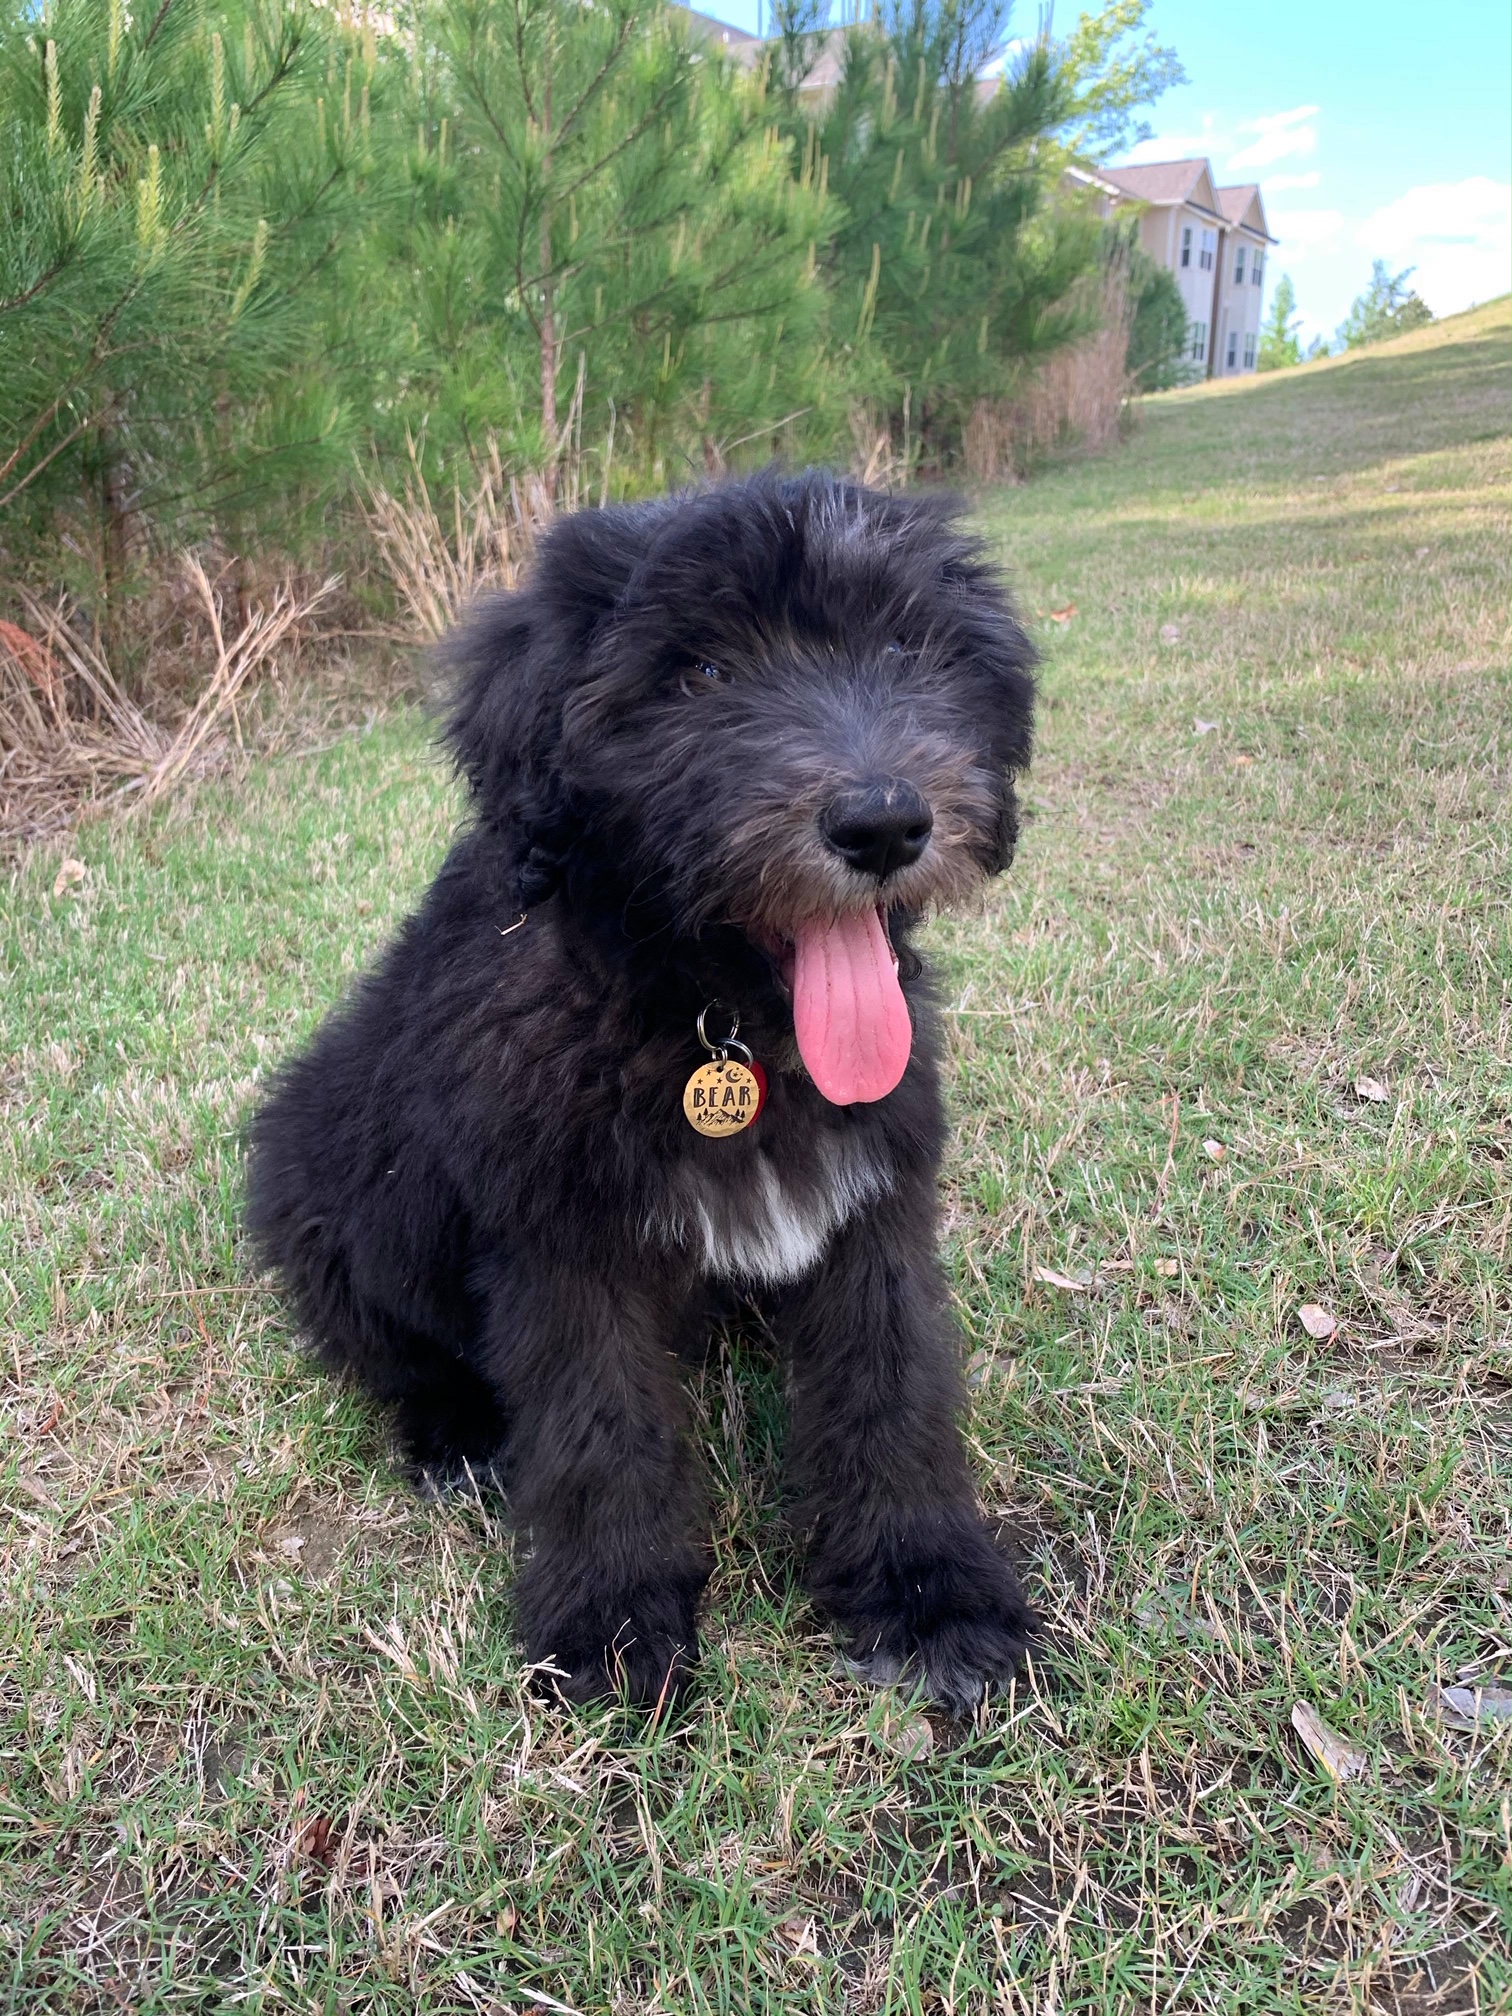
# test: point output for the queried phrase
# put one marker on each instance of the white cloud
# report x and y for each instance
(1278, 136)
(1180, 146)
(1458, 235)
(1252, 143)
(1304, 230)
(1308, 181)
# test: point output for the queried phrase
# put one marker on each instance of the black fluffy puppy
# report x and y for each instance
(724, 750)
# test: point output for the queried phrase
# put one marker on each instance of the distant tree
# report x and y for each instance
(1112, 66)
(1388, 307)
(1158, 328)
(1279, 342)
(956, 266)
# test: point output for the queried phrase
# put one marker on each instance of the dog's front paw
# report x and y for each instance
(950, 1621)
(637, 1645)
(955, 1664)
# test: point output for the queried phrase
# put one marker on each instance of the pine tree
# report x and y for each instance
(174, 183)
(604, 223)
(1388, 307)
(1279, 344)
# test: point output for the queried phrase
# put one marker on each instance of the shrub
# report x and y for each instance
(1157, 343)
(1388, 307)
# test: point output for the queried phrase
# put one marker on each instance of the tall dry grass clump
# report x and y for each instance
(70, 730)
(1075, 400)
(440, 555)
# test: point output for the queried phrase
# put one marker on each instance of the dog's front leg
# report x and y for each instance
(602, 1482)
(897, 1551)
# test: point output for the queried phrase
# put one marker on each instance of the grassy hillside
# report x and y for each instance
(1231, 1040)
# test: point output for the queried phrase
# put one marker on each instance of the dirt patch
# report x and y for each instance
(311, 1542)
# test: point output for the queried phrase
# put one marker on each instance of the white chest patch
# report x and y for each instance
(753, 1227)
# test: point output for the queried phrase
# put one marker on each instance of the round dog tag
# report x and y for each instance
(723, 1096)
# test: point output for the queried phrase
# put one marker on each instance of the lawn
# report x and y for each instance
(1229, 1041)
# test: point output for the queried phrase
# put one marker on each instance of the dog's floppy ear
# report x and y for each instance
(1003, 661)
(516, 662)
(1001, 658)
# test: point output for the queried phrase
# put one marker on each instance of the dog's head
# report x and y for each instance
(790, 706)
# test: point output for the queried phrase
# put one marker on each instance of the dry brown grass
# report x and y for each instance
(1076, 399)
(440, 556)
(70, 732)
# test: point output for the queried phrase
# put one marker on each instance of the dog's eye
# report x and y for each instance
(703, 675)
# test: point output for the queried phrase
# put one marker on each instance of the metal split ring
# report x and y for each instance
(720, 1051)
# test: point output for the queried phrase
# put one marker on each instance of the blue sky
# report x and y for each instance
(1374, 131)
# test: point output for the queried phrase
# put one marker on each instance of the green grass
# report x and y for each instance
(265, 1744)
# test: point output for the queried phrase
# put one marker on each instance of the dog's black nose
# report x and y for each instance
(878, 827)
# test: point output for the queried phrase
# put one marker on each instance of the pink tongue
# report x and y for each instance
(848, 1009)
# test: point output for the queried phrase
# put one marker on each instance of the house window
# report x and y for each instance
(1239, 267)
(1233, 351)
(1199, 342)
(1257, 269)
(1209, 251)
(1186, 244)
(1249, 352)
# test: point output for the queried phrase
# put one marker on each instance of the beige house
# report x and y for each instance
(1213, 240)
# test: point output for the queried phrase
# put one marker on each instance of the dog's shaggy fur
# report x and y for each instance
(478, 1182)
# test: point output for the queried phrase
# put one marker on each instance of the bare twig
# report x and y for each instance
(235, 663)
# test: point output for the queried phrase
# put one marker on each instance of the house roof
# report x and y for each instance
(737, 42)
(1091, 178)
(828, 65)
(1241, 206)
(1163, 184)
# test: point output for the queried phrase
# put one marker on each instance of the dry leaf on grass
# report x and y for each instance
(1203, 727)
(313, 1842)
(1076, 1284)
(1472, 1708)
(1325, 1744)
(1063, 615)
(903, 1734)
(69, 875)
(1089, 1281)
(1371, 1089)
(1168, 1267)
(800, 1936)
(1317, 1321)
(1240, 762)
(1214, 1150)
